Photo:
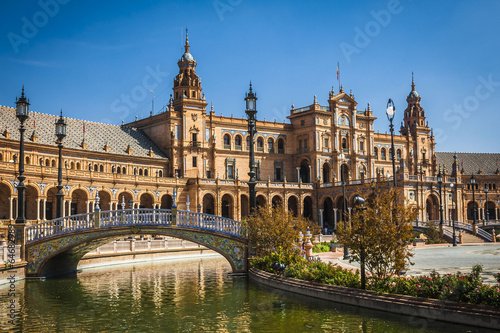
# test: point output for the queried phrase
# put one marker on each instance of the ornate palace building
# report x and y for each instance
(204, 158)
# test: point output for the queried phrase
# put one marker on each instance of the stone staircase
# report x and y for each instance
(467, 237)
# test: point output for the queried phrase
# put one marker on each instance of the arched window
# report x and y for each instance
(227, 141)
(53, 163)
(160, 173)
(72, 165)
(101, 168)
(27, 160)
(344, 143)
(78, 166)
(270, 145)
(398, 154)
(96, 168)
(113, 169)
(281, 146)
(119, 170)
(140, 172)
(237, 142)
(260, 144)
(47, 162)
(383, 157)
(375, 152)
(135, 171)
(145, 172)
(124, 170)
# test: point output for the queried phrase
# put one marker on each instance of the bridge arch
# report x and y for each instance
(146, 200)
(57, 254)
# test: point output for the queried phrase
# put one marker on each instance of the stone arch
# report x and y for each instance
(209, 204)
(146, 200)
(261, 200)
(31, 195)
(270, 144)
(308, 208)
(5, 203)
(490, 208)
(281, 145)
(362, 171)
(125, 195)
(51, 203)
(305, 171)
(277, 200)
(244, 205)
(79, 198)
(53, 163)
(328, 218)
(238, 141)
(339, 204)
(226, 138)
(293, 205)
(259, 143)
(470, 210)
(227, 206)
(326, 172)
(166, 201)
(432, 207)
(105, 199)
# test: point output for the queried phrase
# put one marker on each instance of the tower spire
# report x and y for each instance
(412, 82)
(186, 46)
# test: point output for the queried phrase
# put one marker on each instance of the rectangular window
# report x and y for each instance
(326, 143)
(306, 143)
(278, 173)
(209, 174)
(361, 146)
(194, 162)
(177, 132)
(230, 171)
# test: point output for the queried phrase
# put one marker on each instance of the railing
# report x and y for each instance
(128, 217)
(210, 222)
(60, 226)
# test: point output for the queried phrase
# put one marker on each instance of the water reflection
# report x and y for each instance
(186, 296)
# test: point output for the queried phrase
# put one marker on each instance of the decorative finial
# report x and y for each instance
(250, 86)
(186, 46)
(293, 106)
(97, 200)
(412, 82)
(315, 100)
(22, 94)
(123, 202)
(369, 108)
(212, 106)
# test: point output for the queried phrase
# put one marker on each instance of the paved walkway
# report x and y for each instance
(444, 259)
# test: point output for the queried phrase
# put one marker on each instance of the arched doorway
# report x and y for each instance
(276, 201)
(208, 204)
(104, 200)
(31, 196)
(328, 221)
(124, 197)
(227, 206)
(146, 201)
(244, 206)
(5, 204)
(308, 205)
(432, 208)
(293, 205)
(78, 202)
(341, 214)
(261, 201)
(470, 211)
(166, 201)
(490, 209)
(51, 204)
(326, 173)
(305, 171)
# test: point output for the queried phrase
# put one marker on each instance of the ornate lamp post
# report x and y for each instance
(343, 180)
(60, 134)
(391, 111)
(440, 183)
(455, 198)
(486, 203)
(474, 209)
(22, 109)
(251, 111)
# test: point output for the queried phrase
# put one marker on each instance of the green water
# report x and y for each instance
(187, 296)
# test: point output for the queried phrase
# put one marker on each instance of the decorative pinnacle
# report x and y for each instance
(250, 86)
(186, 46)
(412, 82)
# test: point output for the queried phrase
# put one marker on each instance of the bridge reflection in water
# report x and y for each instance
(56, 246)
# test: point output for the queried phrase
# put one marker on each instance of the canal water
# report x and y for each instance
(185, 296)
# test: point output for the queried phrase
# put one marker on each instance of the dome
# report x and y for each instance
(187, 57)
(413, 94)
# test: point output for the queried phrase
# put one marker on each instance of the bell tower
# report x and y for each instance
(187, 85)
(414, 116)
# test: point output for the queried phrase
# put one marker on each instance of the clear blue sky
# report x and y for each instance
(84, 56)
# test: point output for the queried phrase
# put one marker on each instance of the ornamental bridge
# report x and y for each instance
(56, 246)
(479, 231)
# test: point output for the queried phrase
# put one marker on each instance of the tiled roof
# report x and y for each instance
(487, 163)
(97, 135)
